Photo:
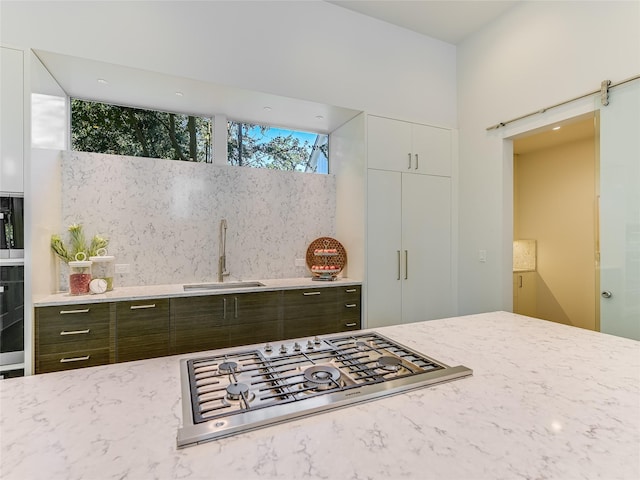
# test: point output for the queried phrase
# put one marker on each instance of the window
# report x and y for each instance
(264, 146)
(104, 128)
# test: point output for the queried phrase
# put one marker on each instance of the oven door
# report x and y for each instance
(11, 317)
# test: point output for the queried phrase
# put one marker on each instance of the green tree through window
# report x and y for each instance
(263, 146)
(104, 128)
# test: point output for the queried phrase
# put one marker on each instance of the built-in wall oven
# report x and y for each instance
(11, 285)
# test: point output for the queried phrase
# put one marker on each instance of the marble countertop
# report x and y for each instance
(546, 401)
(177, 290)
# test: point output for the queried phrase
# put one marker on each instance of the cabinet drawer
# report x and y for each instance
(349, 309)
(142, 329)
(69, 360)
(70, 328)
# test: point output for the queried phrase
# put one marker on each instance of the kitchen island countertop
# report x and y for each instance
(545, 401)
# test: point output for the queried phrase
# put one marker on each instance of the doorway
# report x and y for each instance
(555, 223)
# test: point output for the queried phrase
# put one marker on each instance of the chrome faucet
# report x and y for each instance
(222, 253)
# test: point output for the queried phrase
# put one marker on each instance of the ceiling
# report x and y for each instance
(116, 84)
(571, 130)
(448, 20)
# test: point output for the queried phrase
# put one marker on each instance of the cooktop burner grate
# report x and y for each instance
(241, 389)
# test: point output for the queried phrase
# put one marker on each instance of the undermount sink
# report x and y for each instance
(221, 286)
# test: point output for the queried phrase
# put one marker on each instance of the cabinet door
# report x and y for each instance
(431, 148)
(388, 144)
(426, 248)
(142, 329)
(11, 121)
(197, 324)
(253, 317)
(525, 290)
(384, 245)
(309, 312)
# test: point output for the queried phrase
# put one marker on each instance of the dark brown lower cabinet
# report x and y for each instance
(197, 323)
(309, 312)
(73, 336)
(219, 321)
(349, 308)
(142, 329)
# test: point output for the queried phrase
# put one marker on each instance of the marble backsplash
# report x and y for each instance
(162, 217)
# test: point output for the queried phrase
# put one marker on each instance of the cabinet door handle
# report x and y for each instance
(519, 281)
(75, 359)
(350, 324)
(235, 307)
(406, 264)
(224, 308)
(409, 167)
(74, 332)
(351, 290)
(306, 294)
(66, 312)
(416, 161)
(398, 264)
(140, 307)
(351, 305)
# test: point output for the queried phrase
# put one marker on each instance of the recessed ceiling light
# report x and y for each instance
(267, 109)
(556, 128)
(319, 117)
(102, 81)
(179, 94)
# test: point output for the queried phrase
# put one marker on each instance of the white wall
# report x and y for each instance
(310, 50)
(162, 217)
(536, 55)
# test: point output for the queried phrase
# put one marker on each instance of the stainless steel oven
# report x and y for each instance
(12, 231)
(11, 320)
(11, 285)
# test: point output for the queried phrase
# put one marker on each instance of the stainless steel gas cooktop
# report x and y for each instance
(245, 388)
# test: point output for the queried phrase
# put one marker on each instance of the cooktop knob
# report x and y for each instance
(316, 341)
(296, 347)
(268, 347)
(310, 345)
(283, 349)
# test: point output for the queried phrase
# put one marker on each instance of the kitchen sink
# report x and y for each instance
(221, 286)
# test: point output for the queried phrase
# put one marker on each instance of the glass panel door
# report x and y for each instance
(619, 211)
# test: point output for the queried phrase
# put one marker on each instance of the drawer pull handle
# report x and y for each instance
(351, 290)
(74, 332)
(351, 305)
(140, 307)
(65, 312)
(306, 294)
(350, 324)
(75, 359)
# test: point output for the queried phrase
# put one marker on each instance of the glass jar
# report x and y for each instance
(79, 275)
(103, 267)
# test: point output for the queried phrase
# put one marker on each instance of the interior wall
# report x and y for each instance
(310, 50)
(555, 205)
(535, 55)
(162, 217)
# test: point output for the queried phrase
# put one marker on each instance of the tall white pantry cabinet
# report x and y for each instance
(409, 222)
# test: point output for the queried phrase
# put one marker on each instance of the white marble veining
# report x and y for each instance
(162, 217)
(177, 290)
(546, 401)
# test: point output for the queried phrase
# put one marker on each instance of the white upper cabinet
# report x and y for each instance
(408, 147)
(11, 120)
